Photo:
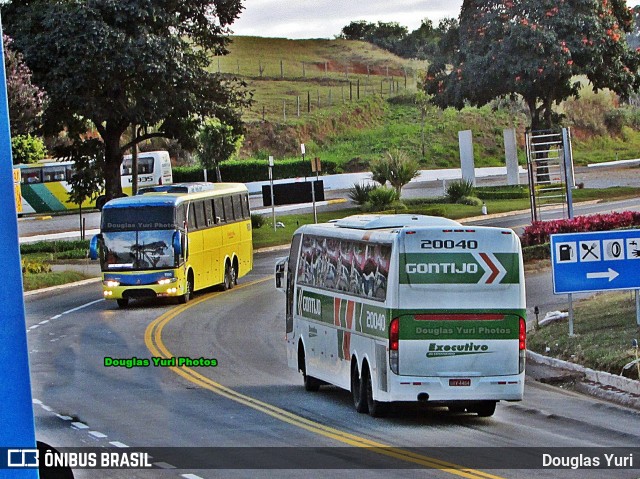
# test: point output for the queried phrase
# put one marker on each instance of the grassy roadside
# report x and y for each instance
(604, 326)
(33, 281)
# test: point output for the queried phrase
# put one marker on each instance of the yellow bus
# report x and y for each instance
(172, 242)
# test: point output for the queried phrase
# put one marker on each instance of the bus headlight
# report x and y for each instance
(110, 283)
(167, 280)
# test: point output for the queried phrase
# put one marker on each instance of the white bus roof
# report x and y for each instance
(373, 222)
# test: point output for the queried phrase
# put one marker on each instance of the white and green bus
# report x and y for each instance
(407, 308)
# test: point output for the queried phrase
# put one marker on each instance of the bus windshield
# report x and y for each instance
(138, 250)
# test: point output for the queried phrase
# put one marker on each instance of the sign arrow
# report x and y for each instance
(610, 274)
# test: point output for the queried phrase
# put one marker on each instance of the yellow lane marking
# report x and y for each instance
(153, 340)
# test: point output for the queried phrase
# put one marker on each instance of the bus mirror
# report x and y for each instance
(281, 267)
(93, 247)
(177, 243)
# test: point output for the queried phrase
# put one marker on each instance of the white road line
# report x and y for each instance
(79, 425)
(64, 418)
(164, 465)
(36, 401)
(190, 476)
(81, 307)
(34, 326)
(118, 444)
(44, 322)
(46, 408)
(56, 316)
(97, 434)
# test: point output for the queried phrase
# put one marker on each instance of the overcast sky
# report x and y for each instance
(325, 18)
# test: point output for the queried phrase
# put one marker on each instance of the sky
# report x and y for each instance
(325, 18)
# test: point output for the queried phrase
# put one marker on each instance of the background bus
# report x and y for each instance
(172, 243)
(407, 308)
(45, 186)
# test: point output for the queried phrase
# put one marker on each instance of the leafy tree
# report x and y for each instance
(396, 168)
(535, 48)
(218, 143)
(113, 64)
(27, 149)
(26, 100)
(86, 181)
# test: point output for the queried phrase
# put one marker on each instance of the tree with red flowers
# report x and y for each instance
(535, 49)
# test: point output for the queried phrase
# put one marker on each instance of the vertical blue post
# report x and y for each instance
(17, 428)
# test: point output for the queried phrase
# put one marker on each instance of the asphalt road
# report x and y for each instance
(252, 399)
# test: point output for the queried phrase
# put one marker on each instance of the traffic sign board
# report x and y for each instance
(605, 260)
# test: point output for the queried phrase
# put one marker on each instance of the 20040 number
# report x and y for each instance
(449, 244)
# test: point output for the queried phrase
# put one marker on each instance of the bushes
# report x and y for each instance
(257, 221)
(540, 231)
(381, 199)
(27, 149)
(359, 193)
(469, 201)
(34, 267)
(459, 188)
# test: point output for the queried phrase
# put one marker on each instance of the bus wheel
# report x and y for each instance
(187, 295)
(357, 391)
(311, 384)
(123, 302)
(376, 408)
(228, 277)
(485, 408)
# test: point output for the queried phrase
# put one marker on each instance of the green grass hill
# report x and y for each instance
(350, 101)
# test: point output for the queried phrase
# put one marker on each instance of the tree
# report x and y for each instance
(26, 100)
(396, 168)
(111, 65)
(218, 142)
(27, 149)
(535, 49)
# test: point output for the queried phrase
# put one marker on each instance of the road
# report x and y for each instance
(251, 399)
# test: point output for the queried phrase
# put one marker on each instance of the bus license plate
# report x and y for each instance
(459, 382)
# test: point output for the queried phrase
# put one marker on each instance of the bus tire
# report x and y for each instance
(311, 384)
(485, 408)
(189, 292)
(376, 408)
(228, 277)
(235, 271)
(357, 391)
(122, 302)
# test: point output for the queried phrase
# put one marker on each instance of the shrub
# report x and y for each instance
(381, 199)
(469, 200)
(34, 267)
(540, 231)
(27, 149)
(257, 221)
(359, 193)
(459, 188)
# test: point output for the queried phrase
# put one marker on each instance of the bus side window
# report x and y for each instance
(228, 209)
(219, 210)
(208, 211)
(237, 206)
(192, 217)
(200, 215)
(245, 206)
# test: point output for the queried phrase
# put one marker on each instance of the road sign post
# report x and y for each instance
(17, 428)
(273, 205)
(598, 261)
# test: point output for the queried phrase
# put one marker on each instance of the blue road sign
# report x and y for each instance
(16, 409)
(600, 261)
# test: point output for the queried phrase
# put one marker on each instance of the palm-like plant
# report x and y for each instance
(396, 168)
